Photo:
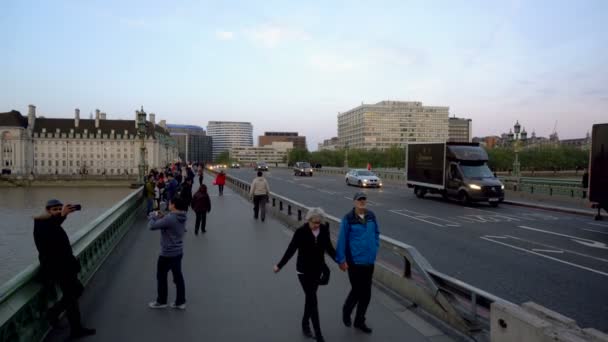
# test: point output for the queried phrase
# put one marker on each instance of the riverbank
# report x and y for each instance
(67, 182)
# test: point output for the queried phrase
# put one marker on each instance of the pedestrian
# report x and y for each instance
(149, 194)
(170, 188)
(220, 181)
(201, 204)
(312, 241)
(59, 266)
(356, 251)
(186, 192)
(200, 174)
(259, 191)
(172, 229)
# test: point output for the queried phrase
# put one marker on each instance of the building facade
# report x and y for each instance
(227, 135)
(193, 144)
(392, 123)
(275, 153)
(329, 144)
(268, 138)
(460, 130)
(97, 146)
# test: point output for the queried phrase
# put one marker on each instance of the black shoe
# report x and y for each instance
(306, 331)
(204, 231)
(319, 338)
(195, 233)
(82, 332)
(346, 318)
(363, 327)
(263, 219)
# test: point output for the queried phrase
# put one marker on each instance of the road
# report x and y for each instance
(520, 254)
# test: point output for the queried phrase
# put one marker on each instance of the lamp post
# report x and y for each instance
(141, 132)
(346, 155)
(516, 165)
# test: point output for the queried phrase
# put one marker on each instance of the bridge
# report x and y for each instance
(233, 295)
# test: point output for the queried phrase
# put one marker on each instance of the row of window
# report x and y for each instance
(77, 163)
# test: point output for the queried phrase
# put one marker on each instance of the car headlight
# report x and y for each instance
(379, 184)
(474, 187)
(365, 181)
(502, 187)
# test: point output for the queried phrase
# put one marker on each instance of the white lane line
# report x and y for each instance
(597, 224)
(547, 251)
(416, 218)
(559, 248)
(290, 181)
(447, 222)
(558, 234)
(307, 186)
(497, 237)
(327, 192)
(548, 257)
(595, 231)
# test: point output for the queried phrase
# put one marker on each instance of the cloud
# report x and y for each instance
(271, 36)
(333, 63)
(224, 35)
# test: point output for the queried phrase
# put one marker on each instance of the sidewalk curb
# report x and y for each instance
(551, 208)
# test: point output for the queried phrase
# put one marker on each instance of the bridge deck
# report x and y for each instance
(231, 292)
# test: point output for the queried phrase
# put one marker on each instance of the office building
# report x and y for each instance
(392, 123)
(227, 135)
(460, 130)
(329, 144)
(193, 144)
(38, 145)
(274, 153)
(268, 138)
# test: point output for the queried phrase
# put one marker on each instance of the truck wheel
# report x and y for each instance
(419, 192)
(464, 198)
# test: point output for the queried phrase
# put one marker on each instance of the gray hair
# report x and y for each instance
(315, 212)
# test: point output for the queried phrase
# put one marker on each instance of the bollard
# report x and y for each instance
(274, 202)
(407, 271)
(289, 209)
(299, 214)
(281, 206)
(532, 189)
(550, 191)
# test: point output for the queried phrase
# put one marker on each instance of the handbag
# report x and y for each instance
(324, 280)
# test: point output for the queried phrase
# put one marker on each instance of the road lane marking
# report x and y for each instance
(422, 215)
(548, 257)
(554, 247)
(588, 241)
(595, 231)
(597, 224)
(547, 251)
(327, 192)
(416, 218)
(307, 186)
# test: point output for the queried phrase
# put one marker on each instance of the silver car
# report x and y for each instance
(363, 178)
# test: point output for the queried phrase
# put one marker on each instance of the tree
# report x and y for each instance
(298, 154)
(223, 158)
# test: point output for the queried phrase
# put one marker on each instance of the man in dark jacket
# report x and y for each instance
(201, 204)
(356, 251)
(58, 265)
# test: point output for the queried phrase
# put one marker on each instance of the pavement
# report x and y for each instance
(520, 253)
(231, 292)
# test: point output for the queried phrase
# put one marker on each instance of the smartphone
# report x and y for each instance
(77, 206)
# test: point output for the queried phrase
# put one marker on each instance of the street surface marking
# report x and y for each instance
(553, 247)
(422, 215)
(582, 241)
(327, 192)
(547, 257)
(416, 218)
(290, 181)
(307, 186)
(547, 251)
(595, 231)
(368, 201)
(597, 224)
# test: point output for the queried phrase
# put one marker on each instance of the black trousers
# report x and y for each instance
(201, 221)
(164, 265)
(360, 277)
(200, 180)
(310, 284)
(72, 289)
(221, 188)
(259, 202)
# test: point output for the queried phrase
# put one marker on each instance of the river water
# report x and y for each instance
(19, 205)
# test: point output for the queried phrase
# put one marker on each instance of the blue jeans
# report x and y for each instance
(149, 205)
(164, 265)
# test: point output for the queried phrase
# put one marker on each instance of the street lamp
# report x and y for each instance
(141, 132)
(346, 155)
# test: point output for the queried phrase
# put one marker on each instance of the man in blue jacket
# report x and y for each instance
(356, 252)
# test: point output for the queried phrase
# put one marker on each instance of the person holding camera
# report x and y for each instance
(172, 229)
(312, 241)
(59, 266)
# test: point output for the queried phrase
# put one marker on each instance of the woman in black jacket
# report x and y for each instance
(311, 241)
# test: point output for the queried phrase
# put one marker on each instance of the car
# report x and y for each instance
(363, 178)
(235, 166)
(261, 166)
(302, 169)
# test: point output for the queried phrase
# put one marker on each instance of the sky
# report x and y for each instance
(293, 65)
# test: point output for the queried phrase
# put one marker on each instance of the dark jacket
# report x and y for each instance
(186, 193)
(201, 202)
(359, 239)
(55, 254)
(310, 249)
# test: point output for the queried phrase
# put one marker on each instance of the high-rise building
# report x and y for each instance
(228, 134)
(98, 146)
(460, 130)
(192, 143)
(268, 138)
(390, 123)
(328, 144)
(274, 153)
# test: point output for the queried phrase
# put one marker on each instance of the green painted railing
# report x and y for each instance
(24, 301)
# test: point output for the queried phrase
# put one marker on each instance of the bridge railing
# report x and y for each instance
(403, 270)
(23, 299)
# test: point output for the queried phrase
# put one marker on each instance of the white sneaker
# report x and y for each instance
(180, 307)
(156, 305)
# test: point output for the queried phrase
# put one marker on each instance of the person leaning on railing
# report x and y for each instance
(58, 265)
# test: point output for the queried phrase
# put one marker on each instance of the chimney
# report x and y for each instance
(153, 119)
(76, 117)
(97, 114)
(163, 124)
(31, 115)
(102, 116)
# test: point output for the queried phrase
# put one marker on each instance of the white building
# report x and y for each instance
(392, 123)
(273, 153)
(227, 135)
(460, 130)
(76, 146)
(329, 144)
